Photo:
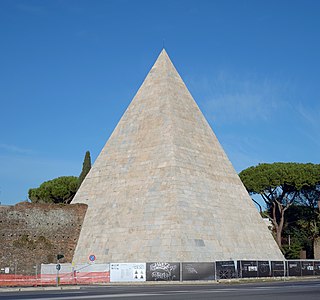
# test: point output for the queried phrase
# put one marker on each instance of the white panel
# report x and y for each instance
(127, 272)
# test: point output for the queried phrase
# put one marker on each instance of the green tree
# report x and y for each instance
(298, 233)
(86, 166)
(58, 190)
(280, 185)
(302, 225)
(309, 222)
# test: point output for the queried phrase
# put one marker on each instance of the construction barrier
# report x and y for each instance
(62, 274)
(67, 274)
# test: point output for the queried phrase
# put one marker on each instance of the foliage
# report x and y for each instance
(291, 176)
(281, 185)
(86, 166)
(58, 190)
(292, 251)
(302, 227)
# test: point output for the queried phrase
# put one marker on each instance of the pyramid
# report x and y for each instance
(163, 189)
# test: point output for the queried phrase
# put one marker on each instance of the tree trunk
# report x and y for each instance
(278, 224)
(281, 223)
(279, 238)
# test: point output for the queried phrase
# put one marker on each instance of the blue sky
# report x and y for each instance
(69, 69)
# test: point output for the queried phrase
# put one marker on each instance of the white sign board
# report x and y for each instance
(68, 268)
(127, 272)
(7, 270)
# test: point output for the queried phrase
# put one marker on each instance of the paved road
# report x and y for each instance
(307, 290)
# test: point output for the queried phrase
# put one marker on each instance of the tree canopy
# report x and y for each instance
(61, 189)
(86, 166)
(58, 190)
(290, 176)
(281, 185)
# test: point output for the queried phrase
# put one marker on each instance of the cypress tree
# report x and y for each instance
(86, 166)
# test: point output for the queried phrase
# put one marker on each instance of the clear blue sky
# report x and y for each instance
(69, 69)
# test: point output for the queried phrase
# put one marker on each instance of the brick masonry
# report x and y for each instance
(31, 234)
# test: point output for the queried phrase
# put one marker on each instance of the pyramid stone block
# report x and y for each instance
(163, 189)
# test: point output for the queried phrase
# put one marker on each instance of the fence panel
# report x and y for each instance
(163, 271)
(278, 268)
(127, 272)
(264, 269)
(247, 268)
(294, 268)
(307, 268)
(225, 269)
(198, 271)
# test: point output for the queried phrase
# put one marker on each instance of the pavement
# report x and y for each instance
(153, 283)
(280, 290)
(39, 288)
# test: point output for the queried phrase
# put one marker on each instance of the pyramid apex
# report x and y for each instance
(164, 53)
(164, 66)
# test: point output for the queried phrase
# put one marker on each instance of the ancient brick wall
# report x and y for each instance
(31, 234)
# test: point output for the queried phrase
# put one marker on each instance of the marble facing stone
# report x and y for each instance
(163, 189)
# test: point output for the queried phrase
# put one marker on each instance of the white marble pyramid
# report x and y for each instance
(163, 189)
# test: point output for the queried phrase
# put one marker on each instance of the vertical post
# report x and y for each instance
(58, 269)
(270, 269)
(36, 275)
(215, 271)
(57, 279)
(72, 273)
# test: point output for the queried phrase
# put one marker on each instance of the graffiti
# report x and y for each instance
(166, 269)
(162, 276)
(163, 271)
(190, 269)
(162, 266)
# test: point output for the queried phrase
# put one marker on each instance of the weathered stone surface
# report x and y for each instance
(31, 234)
(162, 188)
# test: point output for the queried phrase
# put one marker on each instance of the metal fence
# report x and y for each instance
(52, 274)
